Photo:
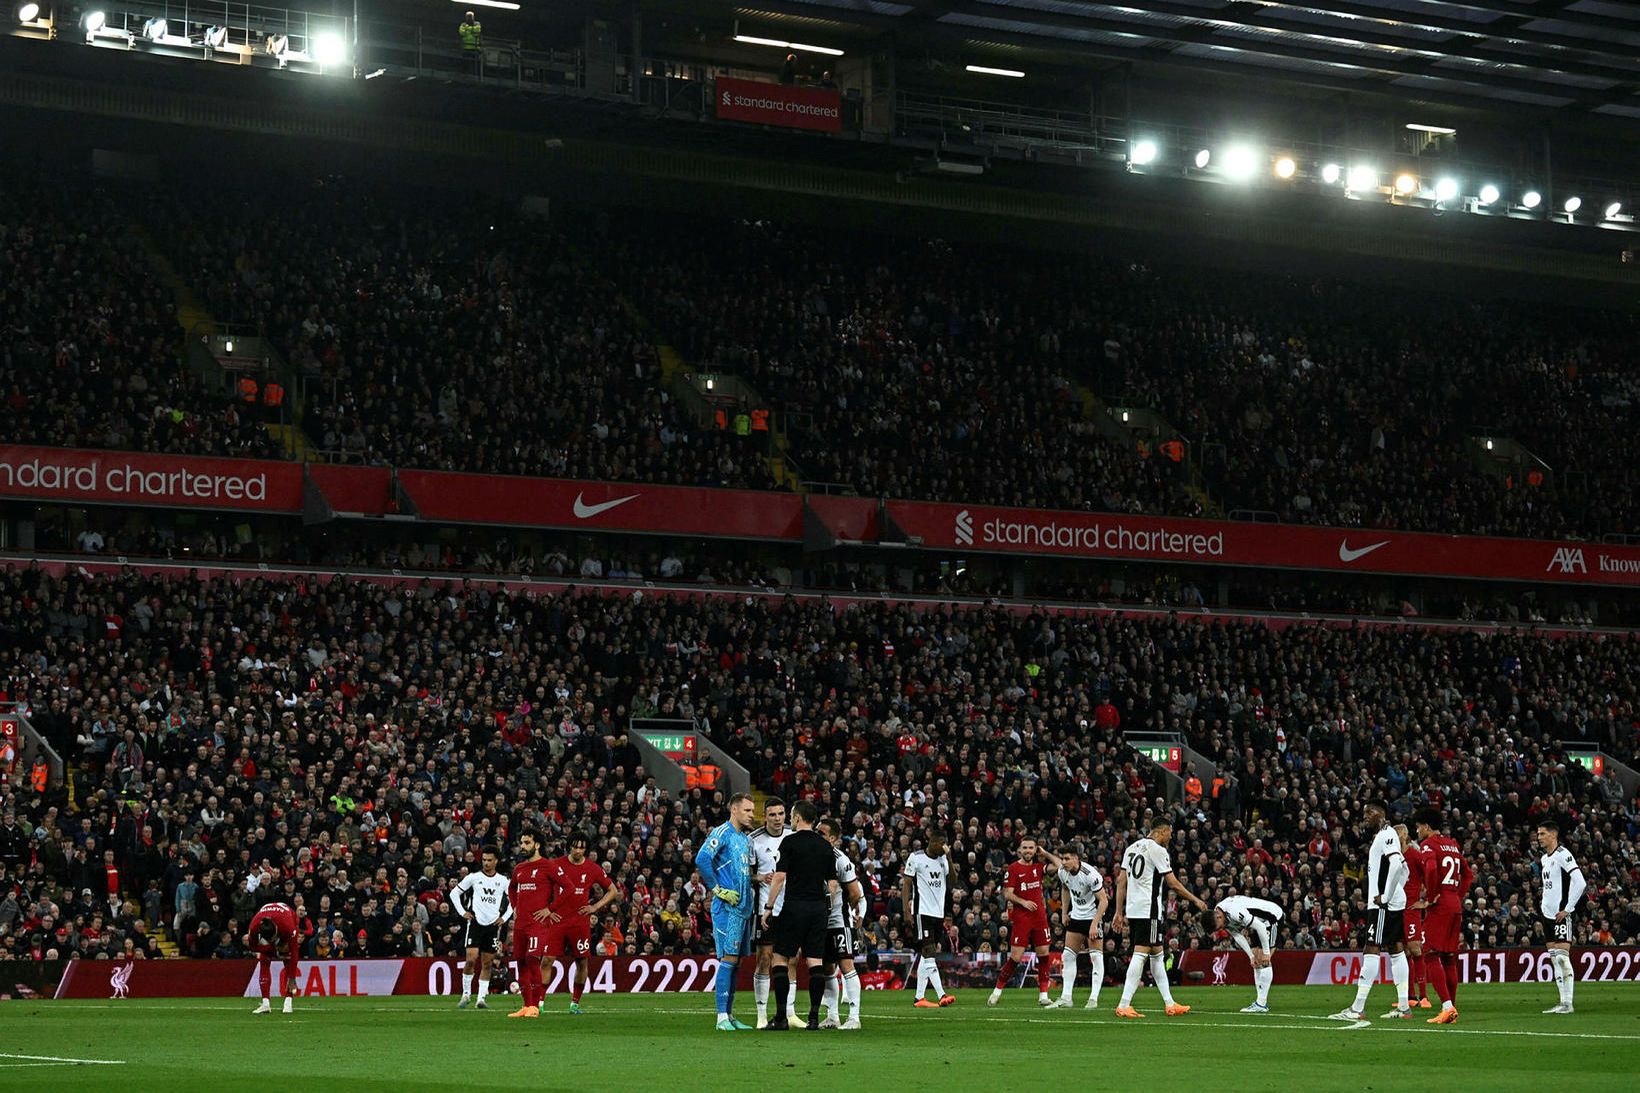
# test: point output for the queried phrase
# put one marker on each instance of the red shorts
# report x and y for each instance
(1027, 935)
(1415, 925)
(572, 940)
(1442, 929)
(529, 941)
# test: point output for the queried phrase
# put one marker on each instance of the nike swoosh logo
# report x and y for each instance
(585, 511)
(1345, 554)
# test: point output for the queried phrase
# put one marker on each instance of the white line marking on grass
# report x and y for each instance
(56, 1060)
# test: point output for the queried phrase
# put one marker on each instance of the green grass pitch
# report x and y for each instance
(666, 1042)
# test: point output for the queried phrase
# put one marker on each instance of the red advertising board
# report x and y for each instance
(1304, 967)
(1224, 542)
(373, 978)
(778, 104)
(446, 497)
(142, 478)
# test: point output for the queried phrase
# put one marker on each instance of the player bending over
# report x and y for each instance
(925, 896)
(1085, 903)
(273, 931)
(1027, 921)
(1140, 903)
(1387, 902)
(1243, 915)
(725, 864)
(485, 918)
(1563, 889)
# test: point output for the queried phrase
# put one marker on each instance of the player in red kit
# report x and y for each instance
(272, 931)
(1027, 919)
(1418, 983)
(1447, 878)
(529, 892)
(569, 915)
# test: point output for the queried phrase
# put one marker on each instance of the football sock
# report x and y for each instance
(1006, 973)
(579, 984)
(1449, 965)
(1043, 979)
(1363, 987)
(1135, 975)
(1158, 971)
(934, 977)
(725, 988)
(1096, 972)
(831, 1000)
(264, 977)
(760, 988)
(1437, 979)
(483, 987)
(1564, 979)
(1070, 972)
(1420, 975)
(923, 966)
(780, 982)
(1262, 979)
(1398, 972)
(851, 993)
(466, 984)
(817, 992)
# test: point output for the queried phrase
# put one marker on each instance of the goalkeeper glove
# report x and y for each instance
(727, 895)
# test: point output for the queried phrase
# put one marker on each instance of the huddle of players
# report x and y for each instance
(549, 902)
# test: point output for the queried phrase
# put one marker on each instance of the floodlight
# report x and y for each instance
(1285, 167)
(1240, 162)
(1489, 194)
(1331, 173)
(1573, 204)
(1446, 189)
(1203, 158)
(1143, 154)
(1531, 199)
(1363, 178)
(1406, 184)
(1613, 209)
(28, 13)
(329, 48)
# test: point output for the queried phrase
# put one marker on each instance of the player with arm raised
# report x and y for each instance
(569, 914)
(529, 890)
(766, 842)
(272, 931)
(725, 864)
(848, 911)
(1447, 879)
(1085, 901)
(1027, 920)
(1563, 888)
(1244, 915)
(481, 900)
(1386, 903)
(1145, 872)
(925, 895)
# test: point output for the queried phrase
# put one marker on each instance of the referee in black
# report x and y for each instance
(807, 862)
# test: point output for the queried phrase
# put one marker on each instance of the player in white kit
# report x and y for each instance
(1084, 907)
(1563, 888)
(1244, 915)
(766, 842)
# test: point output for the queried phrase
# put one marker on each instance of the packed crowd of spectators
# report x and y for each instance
(90, 350)
(463, 335)
(367, 741)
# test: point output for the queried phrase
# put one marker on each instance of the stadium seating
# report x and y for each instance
(367, 741)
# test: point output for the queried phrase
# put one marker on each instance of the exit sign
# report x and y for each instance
(677, 747)
(1163, 756)
(1593, 761)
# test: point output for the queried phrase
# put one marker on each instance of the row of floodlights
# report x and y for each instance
(1243, 163)
(325, 49)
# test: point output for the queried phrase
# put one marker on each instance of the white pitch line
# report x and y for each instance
(50, 1059)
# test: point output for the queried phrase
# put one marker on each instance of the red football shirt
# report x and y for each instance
(530, 890)
(283, 916)
(1025, 878)
(571, 884)
(1447, 876)
(1415, 874)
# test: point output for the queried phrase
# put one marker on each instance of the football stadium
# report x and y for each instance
(939, 544)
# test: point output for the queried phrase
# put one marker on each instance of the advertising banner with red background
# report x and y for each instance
(1303, 967)
(130, 478)
(779, 104)
(1292, 546)
(373, 978)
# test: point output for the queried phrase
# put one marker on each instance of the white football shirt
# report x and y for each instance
(929, 889)
(766, 855)
(1387, 871)
(489, 895)
(1562, 882)
(1242, 911)
(845, 877)
(1146, 862)
(1083, 888)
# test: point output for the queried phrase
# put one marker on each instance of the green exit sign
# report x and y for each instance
(1163, 756)
(673, 745)
(1593, 761)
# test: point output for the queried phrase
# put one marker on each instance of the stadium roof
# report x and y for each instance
(1567, 55)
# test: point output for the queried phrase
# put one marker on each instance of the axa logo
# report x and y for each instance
(1567, 560)
(120, 980)
(965, 528)
(1221, 970)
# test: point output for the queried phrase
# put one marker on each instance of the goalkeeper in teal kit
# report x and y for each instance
(725, 864)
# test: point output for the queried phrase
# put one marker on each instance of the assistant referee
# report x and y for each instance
(807, 862)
